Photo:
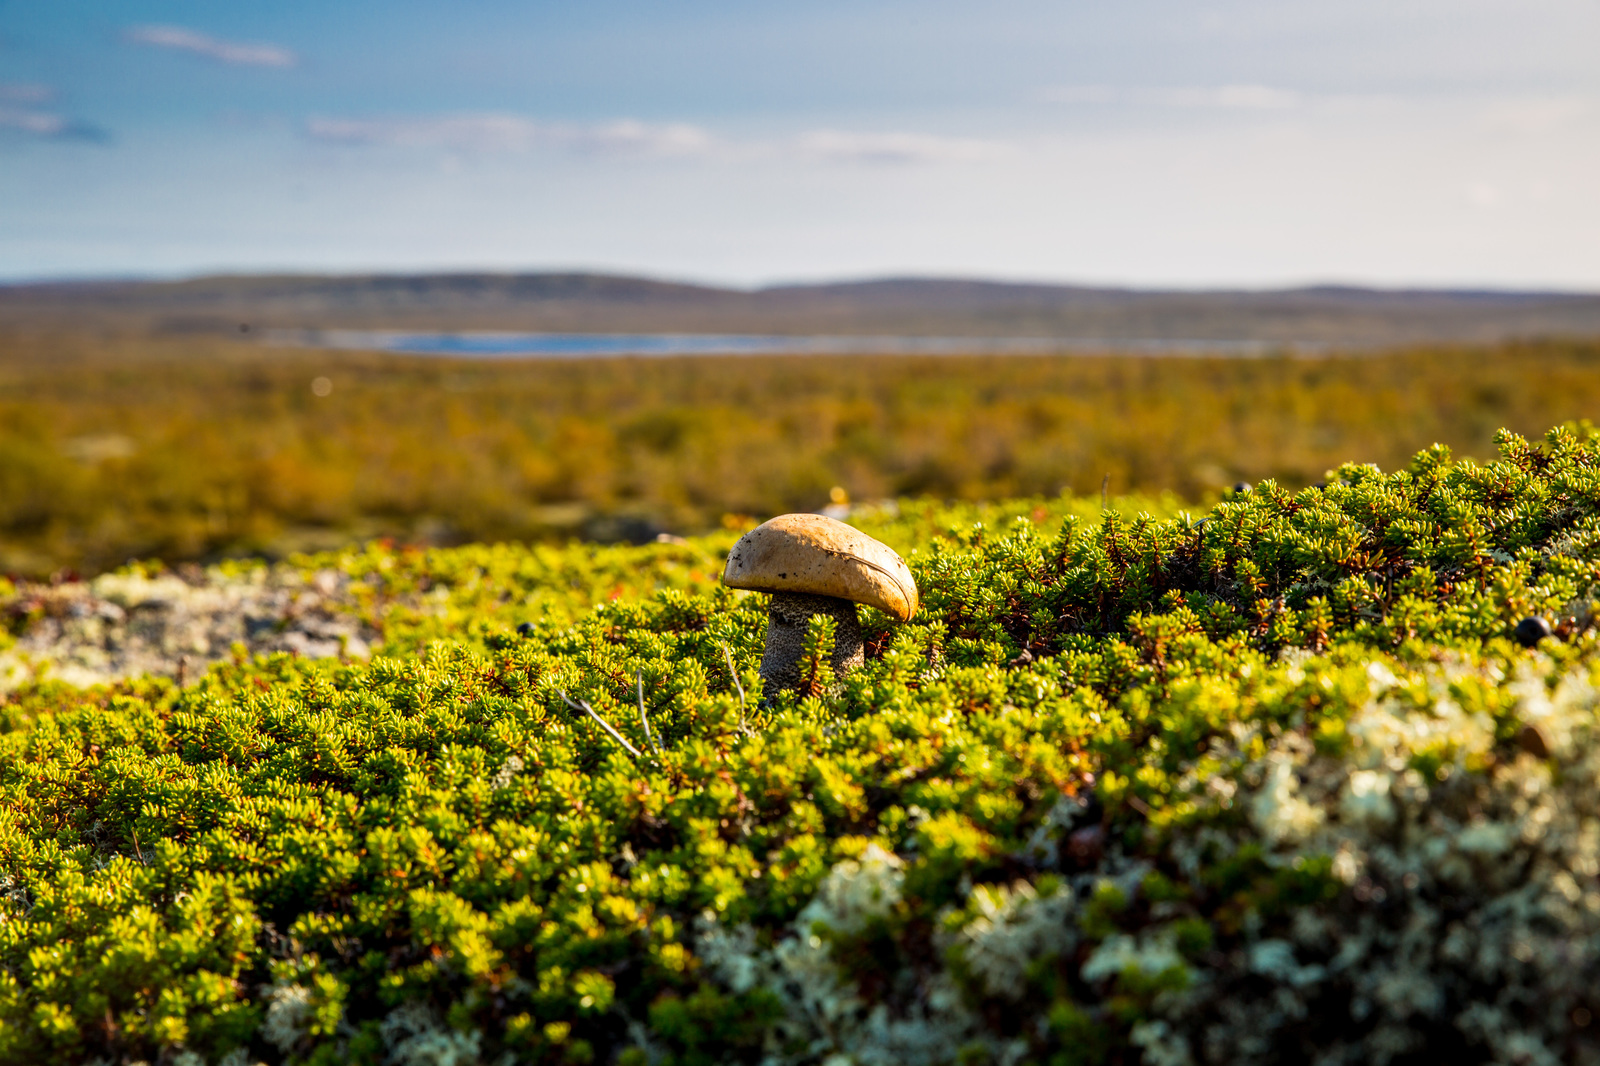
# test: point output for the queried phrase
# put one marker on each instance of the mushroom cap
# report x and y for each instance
(815, 554)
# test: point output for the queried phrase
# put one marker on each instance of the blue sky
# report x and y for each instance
(1146, 142)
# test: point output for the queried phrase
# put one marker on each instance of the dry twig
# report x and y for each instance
(583, 705)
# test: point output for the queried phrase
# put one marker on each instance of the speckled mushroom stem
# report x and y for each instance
(787, 620)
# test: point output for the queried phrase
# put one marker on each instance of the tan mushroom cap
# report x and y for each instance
(810, 553)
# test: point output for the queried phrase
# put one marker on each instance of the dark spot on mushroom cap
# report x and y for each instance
(1531, 630)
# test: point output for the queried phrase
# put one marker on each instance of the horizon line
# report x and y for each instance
(842, 281)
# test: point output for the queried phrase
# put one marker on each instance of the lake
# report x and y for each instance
(493, 345)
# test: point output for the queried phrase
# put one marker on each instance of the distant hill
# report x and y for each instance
(574, 302)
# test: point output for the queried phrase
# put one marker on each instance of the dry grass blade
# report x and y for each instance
(727, 653)
(583, 705)
(638, 677)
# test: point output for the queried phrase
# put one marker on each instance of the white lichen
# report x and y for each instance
(1152, 955)
(1277, 810)
(1469, 902)
(413, 1036)
(1014, 925)
(288, 1012)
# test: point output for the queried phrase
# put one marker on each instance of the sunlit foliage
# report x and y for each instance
(1237, 786)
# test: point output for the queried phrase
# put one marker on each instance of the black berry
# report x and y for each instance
(1532, 630)
(525, 629)
(1241, 487)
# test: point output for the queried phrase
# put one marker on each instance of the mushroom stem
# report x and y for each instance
(787, 619)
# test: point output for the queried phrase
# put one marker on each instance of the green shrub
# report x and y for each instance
(1271, 782)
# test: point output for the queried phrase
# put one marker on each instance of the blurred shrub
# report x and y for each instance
(113, 446)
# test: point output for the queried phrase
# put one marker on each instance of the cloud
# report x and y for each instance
(50, 126)
(840, 146)
(22, 110)
(1236, 97)
(1246, 97)
(488, 133)
(1080, 94)
(40, 123)
(234, 52)
(1536, 114)
(485, 134)
(26, 93)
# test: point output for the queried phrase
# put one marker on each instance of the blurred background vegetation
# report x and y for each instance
(121, 444)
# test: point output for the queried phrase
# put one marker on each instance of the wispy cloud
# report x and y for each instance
(498, 133)
(1530, 115)
(1242, 97)
(26, 93)
(40, 123)
(842, 146)
(502, 133)
(1080, 94)
(21, 112)
(238, 53)
(1537, 114)
(1235, 97)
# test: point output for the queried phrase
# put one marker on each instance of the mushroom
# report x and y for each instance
(816, 565)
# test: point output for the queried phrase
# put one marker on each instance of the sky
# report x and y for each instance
(1142, 142)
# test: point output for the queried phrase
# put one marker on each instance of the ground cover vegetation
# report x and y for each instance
(1293, 779)
(118, 445)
